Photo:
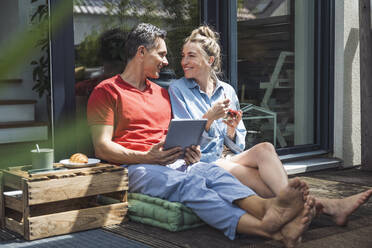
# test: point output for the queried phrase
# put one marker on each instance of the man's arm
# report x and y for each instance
(108, 150)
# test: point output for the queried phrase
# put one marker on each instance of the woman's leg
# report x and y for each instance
(341, 209)
(273, 212)
(247, 176)
(268, 172)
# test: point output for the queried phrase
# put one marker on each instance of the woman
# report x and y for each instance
(200, 94)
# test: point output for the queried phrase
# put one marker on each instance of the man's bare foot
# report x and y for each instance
(292, 231)
(341, 209)
(285, 206)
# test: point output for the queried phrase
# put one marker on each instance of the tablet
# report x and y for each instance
(184, 133)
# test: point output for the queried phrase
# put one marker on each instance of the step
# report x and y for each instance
(13, 132)
(313, 164)
(17, 110)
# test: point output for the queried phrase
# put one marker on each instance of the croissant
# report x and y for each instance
(79, 158)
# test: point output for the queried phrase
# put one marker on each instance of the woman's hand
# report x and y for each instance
(192, 155)
(217, 111)
(156, 155)
(232, 123)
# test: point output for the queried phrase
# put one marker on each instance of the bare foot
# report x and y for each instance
(285, 206)
(341, 209)
(292, 231)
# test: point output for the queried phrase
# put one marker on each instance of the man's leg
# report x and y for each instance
(269, 176)
(274, 212)
(192, 191)
(287, 212)
(290, 234)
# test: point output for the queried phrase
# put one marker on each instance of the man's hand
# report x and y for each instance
(192, 155)
(156, 155)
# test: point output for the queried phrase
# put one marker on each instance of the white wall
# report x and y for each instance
(347, 141)
(85, 24)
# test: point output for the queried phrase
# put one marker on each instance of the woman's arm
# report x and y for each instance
(217, 111)
(236, 132)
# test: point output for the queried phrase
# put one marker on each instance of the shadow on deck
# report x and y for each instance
(322, 232)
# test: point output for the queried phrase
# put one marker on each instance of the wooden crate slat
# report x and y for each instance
(25, 208)
(2, 202)
(13, 203)
(77, 220)
(87, 170)
(14, 226)
(11, 180)
(63, 206)
(20, 168)
(75, 187)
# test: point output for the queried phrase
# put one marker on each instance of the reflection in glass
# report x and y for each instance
(100, 28)
(275, 71)
(260, 124)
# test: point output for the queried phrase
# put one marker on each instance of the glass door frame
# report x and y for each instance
(225, 22)
(63, 80)
(222, 15)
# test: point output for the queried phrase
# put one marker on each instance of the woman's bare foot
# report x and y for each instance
(285, 206)
(341, 209)
(292, 231)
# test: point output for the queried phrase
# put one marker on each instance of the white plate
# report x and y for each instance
(68, 164)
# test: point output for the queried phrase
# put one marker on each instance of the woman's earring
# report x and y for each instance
(211, 60)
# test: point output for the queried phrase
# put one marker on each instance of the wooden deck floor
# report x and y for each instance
(322, 232)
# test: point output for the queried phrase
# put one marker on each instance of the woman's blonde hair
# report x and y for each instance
(209, 42)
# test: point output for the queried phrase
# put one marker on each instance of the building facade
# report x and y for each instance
(294, 65)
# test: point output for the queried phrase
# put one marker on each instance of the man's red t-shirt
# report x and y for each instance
(140, 118)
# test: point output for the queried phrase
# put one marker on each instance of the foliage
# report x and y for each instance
(41, 71)
(139, 11)
(184, 17)
(178, 17)
(86, 51)
(240, 4)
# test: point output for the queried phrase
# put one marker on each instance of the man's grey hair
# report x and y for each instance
(144, 34)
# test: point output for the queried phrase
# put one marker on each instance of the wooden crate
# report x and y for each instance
(42, 205)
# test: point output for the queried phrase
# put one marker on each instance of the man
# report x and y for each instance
(129, 117)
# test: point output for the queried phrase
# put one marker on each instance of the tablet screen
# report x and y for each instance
(184, 133)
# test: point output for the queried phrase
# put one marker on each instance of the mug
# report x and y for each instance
(42, 159)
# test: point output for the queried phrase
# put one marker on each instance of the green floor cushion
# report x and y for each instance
(172, 216)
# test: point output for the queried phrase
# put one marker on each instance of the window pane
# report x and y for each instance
(99, 30)
(275, 69)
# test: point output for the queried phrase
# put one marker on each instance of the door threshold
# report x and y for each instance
(313, 164)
